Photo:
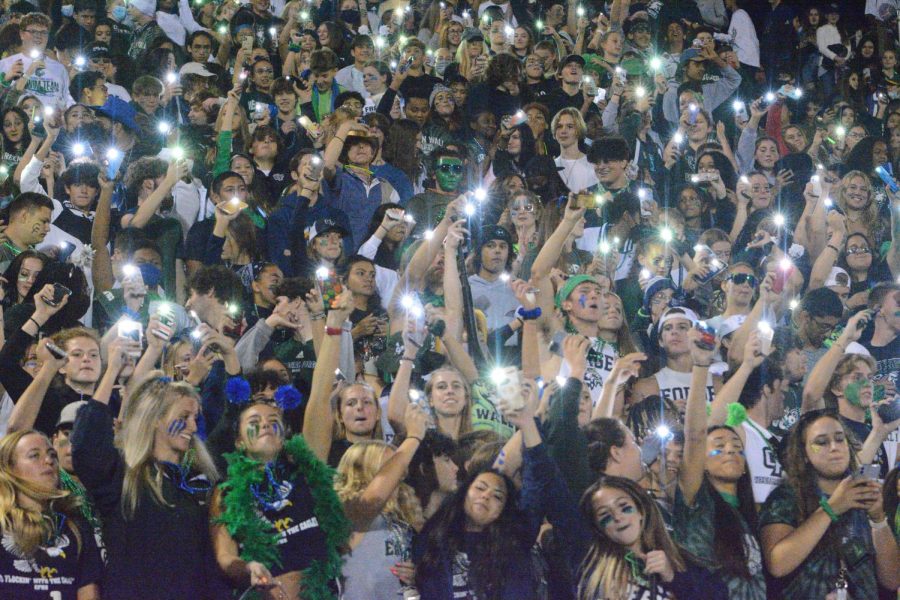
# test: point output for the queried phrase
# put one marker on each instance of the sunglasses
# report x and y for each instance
(858, 250)
(742, 278)
(455, 169)
(529, 208)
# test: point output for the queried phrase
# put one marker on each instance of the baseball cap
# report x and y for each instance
(98, 50)
(730, 325)
(690, 54)
(323, 225)
(195, 68)
(120, 111)
(839, 277)
(68, 413)
(572, 58)
(677, 312)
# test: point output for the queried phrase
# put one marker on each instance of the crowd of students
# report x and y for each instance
(483, 300)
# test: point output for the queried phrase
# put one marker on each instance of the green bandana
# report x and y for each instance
(730, 499)
(570, 284)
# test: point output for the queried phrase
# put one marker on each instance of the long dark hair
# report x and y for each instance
(505, 539)
(400, 148)
(422, 475)
(388, 254)
(733, 558)
(11, 275)
(17, 148)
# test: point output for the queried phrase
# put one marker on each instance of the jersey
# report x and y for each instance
(765, 470)
(600, 359)
(674, 386)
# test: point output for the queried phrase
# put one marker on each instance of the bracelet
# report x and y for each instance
(411, 361)
(702, 366)
(414, 437)
(876, 525)
(333, 330)
(529, 315)
(836, 251)
(38, 325)
(828, 510)
(317, 316)
(339, 138)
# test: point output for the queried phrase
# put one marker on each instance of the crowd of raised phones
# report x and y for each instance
(449, 300)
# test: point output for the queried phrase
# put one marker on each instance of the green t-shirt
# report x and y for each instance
(850, 539)
(695, 530)
(300, 360)
(485, 414)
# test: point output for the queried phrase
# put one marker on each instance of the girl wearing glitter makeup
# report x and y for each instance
(277, 524)
(150, 478)
(715, 516)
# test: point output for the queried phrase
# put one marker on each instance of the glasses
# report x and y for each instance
(446, 168)
(824, 327)
(515, 208)
(661, 300)
(101, 61)
(743, 278)
(858, 250)
(38, 32)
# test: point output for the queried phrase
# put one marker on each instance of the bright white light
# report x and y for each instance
(379, 42)
(415, 394)
(429, 234)
(113, 154)
(579, 11)
(770, 96)
(604, 247)
(814, 179)
(315, 160)
(407, 302)
(322, 273)
(779, 219)
(560, 380)
(235, 200)
(699, 247)
(304, 15)
(80, 61)
(616, 241)
(793, 304)
(164, 128)
(164, 308)
(504, 277)
(640, 91)
(663, 432)
(798, 93)
(642, 193)
(785, 263)
(745, 179)
(273, 32)
(678, 138)
(693, 107)
(35, 54)
(509, 31)
(840, 131)
(196, 334)
(416, 311)
(177, 152)
(737, 105)
(171, 77)
(130, 270)
(78, 149)
(765, 327)
(665, 234)
(470, 209)
(645, 274)
(48, 111)
(480, 194)
(828, 202)
(655, 63)
(498, 376)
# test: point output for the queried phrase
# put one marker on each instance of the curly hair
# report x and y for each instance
(146, 167)
(503, 68)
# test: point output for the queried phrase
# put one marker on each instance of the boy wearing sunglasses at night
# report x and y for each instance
(428, 207)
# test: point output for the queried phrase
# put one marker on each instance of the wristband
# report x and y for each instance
(339, 138)
(529, 315)
(38, 325)
(876, 525)
(414, 437)
(836, 251)
(333, 330)
(702, 366)
(409, 360)
(828, 510)
(317, 316)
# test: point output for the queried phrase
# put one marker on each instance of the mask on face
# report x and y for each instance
(350, 17)
(893, 95)
(151, 274)
(441, 64)
(448, 172)
(68, 10)
(119, 14)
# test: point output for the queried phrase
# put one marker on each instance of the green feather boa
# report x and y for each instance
(259, 541)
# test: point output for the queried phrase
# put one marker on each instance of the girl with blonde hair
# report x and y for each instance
(45, 543)
(150, 483)
(857, 202)
(472, 56)
(384, 511)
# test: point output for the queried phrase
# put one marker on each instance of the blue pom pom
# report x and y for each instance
(237, 390)
(287, 397)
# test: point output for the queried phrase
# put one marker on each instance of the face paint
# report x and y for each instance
(815, 448)
(582, 300)
(278, 429)
(252, 431)
(716, 452)
(176, 427)
(853, 390)
(448, 172)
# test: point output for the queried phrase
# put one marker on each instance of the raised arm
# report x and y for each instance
(731, 391)
(893, 254)
(25, 412)
(550, 253)
(611, 404)
(101, 269)
(369, 504)
(318, 418)
(818, 379)
(690, 477)
(177, 169)
(399, 398)
(837, 233)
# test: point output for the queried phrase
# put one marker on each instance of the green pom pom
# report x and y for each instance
(737, 414)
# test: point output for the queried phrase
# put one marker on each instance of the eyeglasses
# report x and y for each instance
(515, 208)
(858, 250)
(661, 300)
(447, 168)
(822, 326)
(38, 32)
(743, 278)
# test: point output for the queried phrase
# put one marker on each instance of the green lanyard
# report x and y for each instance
(15, 251)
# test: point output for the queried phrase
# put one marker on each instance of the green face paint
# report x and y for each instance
(448, 172)
(853, 390)
(252, 431)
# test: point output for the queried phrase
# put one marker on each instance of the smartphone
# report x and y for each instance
(740, 110)
(57, 352)
(781, 277)
(247, 43)
(889, 411)
(590, 200)
(59, 292)
(866, 472)
(766, 335)
(114, 160)
(65, 251)
(697, 43)
(131, 330)
(166, 318)
(887, 178)
(329, 286)
(816, 182)
(508, 382)
(588, 85)
(699, 177)
(234, 205)
(38, 121)
(316, 166)
(517, 119)
(404, 67)
(707, 339)
(716, 268)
